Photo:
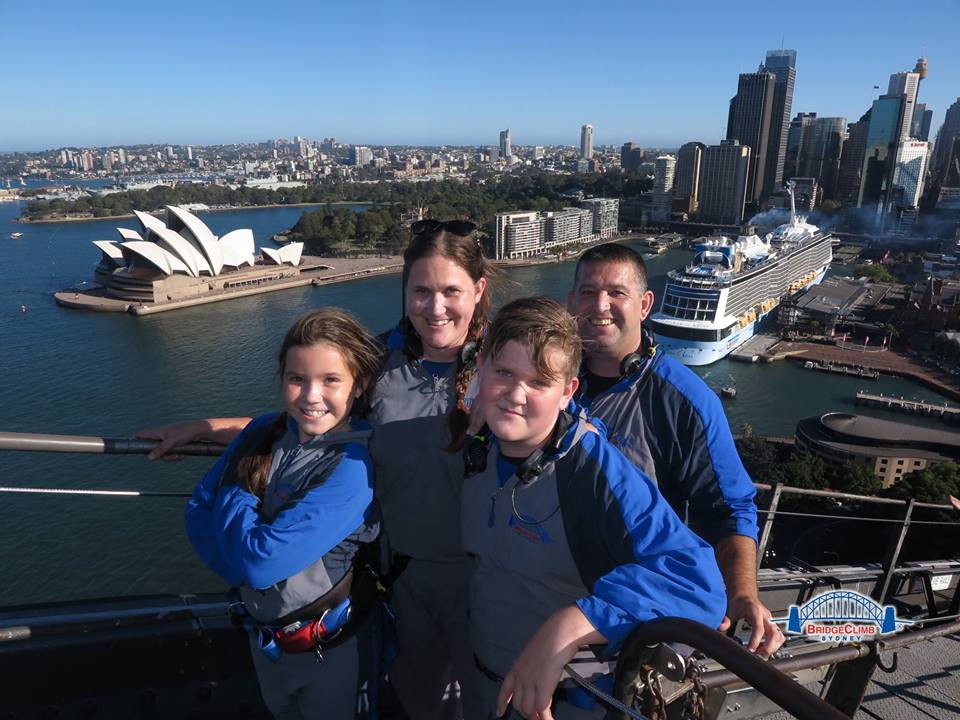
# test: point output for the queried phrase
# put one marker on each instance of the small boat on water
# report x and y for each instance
(728, 391)
(16, 235)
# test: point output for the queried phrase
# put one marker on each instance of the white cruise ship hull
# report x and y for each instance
(691, 352)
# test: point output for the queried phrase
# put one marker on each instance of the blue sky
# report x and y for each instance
(657, 72)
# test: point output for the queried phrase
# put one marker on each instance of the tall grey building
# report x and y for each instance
(813, 150)
(663, 172)
(945, 135)
(851, 159)
(724, 172)
(920, 127)
(782, 63)
(749, 121)
(586, 142)
(879, 160)
(906, 84)
(686, 174)
(506, 150)
(798, 140)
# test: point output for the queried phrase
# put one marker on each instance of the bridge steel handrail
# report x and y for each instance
(760, 674)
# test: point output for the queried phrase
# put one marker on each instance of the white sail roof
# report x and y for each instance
(201, 235)
(238, 248)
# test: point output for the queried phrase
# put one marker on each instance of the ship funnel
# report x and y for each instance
(793, 204)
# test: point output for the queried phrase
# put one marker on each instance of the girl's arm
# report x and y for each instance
(262, 554)
(222, 431)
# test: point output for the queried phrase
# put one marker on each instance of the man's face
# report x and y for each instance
(609, 305)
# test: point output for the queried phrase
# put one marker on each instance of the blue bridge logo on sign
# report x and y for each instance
(843, 615)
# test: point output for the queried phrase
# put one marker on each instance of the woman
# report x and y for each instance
(417, 399)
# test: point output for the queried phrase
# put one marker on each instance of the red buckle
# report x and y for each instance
(300, 636)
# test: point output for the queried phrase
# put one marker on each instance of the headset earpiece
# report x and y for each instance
(631, 364)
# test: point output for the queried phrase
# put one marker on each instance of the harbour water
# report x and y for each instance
(110, 374)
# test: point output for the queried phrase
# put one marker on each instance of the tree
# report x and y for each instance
(854, 477)
(934, 484)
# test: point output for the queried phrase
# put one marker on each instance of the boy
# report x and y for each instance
(574, 545)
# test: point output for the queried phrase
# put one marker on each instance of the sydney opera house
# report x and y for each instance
(180, 259)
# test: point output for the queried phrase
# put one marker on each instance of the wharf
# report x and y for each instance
(753, 348)
(842, 369)
(313, 270)
(884, 361)
(911, 407)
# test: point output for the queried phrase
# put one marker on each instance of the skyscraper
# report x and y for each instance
(798, 140)
(724, 172)
(782, 63)
(883, 137)
(909, 172)
(751, 111)
(851, 159)
(686, 176)
(664, 167)
(920, 127)
(821, 153)
(505, 148)
(586, 142)
(626, 151)
(945, 135)
(908, 85)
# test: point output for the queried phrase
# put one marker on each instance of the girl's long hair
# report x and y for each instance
(465, 251)
(361, 353)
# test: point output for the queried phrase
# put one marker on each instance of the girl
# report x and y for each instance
(284, 514)
(416, 402)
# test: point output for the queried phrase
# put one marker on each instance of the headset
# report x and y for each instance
(633, 362)
(475, 451)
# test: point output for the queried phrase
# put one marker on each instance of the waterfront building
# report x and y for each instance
(663, 173)
(506, 148)
(686, 176)
(782, 63)
(724, 172)
(180, 259)
(851, 160)
(749, 122)
(529, 233)
(889, 449)
(586, 142)
(910, 171)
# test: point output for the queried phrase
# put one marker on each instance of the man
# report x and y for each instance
(667, 422)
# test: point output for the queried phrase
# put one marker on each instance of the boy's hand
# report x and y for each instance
(534, 676)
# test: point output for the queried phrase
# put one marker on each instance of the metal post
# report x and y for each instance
(894, 546)
(768, 523)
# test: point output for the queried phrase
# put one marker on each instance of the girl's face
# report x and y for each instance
(318, 389)
(441, 297)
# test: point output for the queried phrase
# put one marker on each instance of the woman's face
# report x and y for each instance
(441, 298)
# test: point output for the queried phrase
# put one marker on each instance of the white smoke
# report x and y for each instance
(770, 218)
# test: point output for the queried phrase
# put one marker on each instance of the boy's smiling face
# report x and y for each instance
(519, 403)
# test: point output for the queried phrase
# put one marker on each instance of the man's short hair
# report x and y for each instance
(614, 253)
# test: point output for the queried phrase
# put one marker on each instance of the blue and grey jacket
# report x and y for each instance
(589, 529)
(418, 481)
(291, 548)
(666, 420)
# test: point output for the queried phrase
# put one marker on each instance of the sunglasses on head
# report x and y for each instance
(456, 227)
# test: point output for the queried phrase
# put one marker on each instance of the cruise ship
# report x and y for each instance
(714, 305)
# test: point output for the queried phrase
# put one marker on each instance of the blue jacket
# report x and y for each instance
(589, 529)
(666, 420)
(293, 546)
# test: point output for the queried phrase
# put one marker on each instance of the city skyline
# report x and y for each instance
(88, 76)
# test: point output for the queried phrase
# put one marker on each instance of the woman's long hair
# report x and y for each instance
(465, 251)
(361, 353)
